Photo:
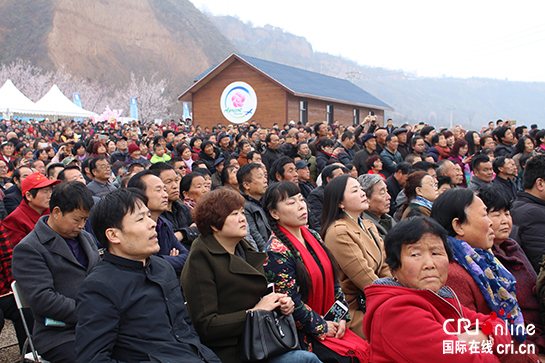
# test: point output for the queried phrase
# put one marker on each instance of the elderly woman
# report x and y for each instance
(223, 278)
(354, 242)
(301, 266)
(479, 279)
(192, 188)
(413, 317)
(525, 146)
(511, 255)
(421, 192)
(379, 199)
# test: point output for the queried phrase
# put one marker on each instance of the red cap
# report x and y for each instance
(36, 180)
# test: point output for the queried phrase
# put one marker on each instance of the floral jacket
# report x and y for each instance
(280, 270)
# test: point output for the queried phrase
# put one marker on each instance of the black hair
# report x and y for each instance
(472, 147)
(201, 171)
(539, 135)
(110, 211)
(61, 177)
(327, 172)
(495, 198)
(193, 139)
(333, 196)
(415, 139)
(49, 168)
(498, 163)
(17, 172)
(274, 195)
(423, 166)
(323, 143)
(278, 167)
(244, 174)
(521, 143)
(535, 169)
(478, 160)
(444, 179)
(347, 135)
(93, 163)
(77, 145)
(450, 205)
(251, 154)
(500, 132)
(268, 137)
(159, 167)
(136, 180)
(185, 183)
(405, 168)
(69, 196)
(389, 137)
(409, 231)
(224, 176)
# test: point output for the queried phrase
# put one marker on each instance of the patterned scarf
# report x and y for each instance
(496, 283)
(423, 202)
(190, 202)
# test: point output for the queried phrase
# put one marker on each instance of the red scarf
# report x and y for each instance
(322, 296)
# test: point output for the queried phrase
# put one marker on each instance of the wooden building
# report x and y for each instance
(243, 88)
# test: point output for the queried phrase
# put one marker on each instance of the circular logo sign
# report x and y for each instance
(238, 102)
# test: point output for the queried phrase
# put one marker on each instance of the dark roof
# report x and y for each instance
(305, 83)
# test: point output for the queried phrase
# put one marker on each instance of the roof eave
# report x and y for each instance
(297, 94)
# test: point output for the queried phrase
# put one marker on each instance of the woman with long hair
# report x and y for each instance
(473, 142)
(302, 267)
(354, 242)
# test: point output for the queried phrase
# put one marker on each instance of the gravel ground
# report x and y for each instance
(11, 354)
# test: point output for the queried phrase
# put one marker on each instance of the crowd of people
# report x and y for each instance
(145, 242)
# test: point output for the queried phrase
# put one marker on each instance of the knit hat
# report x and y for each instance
(132, 148)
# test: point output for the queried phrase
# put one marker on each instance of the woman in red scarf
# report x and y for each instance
(300, 266)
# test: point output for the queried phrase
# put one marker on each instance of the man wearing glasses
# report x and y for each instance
(101, 171)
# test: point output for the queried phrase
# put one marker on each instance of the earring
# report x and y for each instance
(394, 278)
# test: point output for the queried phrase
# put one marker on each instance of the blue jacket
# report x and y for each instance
(389, 161)
(168, 241)
(134, 313)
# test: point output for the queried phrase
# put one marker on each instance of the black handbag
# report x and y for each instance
(266, 334)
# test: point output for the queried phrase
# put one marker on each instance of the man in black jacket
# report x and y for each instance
(315, 199)
(178, 214)
(139, 315)
(271, 154)
(529, 210)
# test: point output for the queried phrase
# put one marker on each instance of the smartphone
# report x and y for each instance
(43, 145)
(337, 312)
(270, 289)
(289, 140)
(102, 137)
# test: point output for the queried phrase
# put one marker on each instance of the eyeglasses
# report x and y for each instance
(106, 166)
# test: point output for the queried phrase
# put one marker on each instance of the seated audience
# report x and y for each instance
(36, 191)
(315, 199)
(418, 255)
(252, 183)
(396, 182)
(13, 195)
(379, 203)
(480, 281)
(303, 178)
(506, 173)
(139, 315)
(50, 265)
(192, 187)
(421, 192)
(374, 166)
(529, 211)
(230, 281)
(157, 202)
(102, 171)
(298, 259)
(483, 173)
(354, 242)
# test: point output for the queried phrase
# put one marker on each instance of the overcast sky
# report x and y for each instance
(495, 39)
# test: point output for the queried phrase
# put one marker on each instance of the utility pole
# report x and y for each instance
(451, 109)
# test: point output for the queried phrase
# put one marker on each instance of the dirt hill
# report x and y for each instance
(107, 39)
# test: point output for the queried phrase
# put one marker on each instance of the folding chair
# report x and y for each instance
(21, 302)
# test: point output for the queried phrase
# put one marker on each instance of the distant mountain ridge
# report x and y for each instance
(473, 102)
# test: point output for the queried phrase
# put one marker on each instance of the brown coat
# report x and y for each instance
(358, 257)
(219, 287)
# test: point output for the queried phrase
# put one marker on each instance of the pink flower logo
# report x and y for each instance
(238, 100)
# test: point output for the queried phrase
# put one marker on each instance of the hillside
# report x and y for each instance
(474, 101)
(106, 40)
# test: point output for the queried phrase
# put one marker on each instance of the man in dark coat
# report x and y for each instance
(140, 314)
(315, 199)
(529, 210)
(271, 154)
(50, 264)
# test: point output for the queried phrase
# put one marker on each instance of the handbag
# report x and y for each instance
(266, 334)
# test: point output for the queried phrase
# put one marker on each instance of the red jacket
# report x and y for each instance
(406, 325)
(21, 222)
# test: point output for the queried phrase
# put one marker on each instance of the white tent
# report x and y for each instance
(12, 101)
(56, 103)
